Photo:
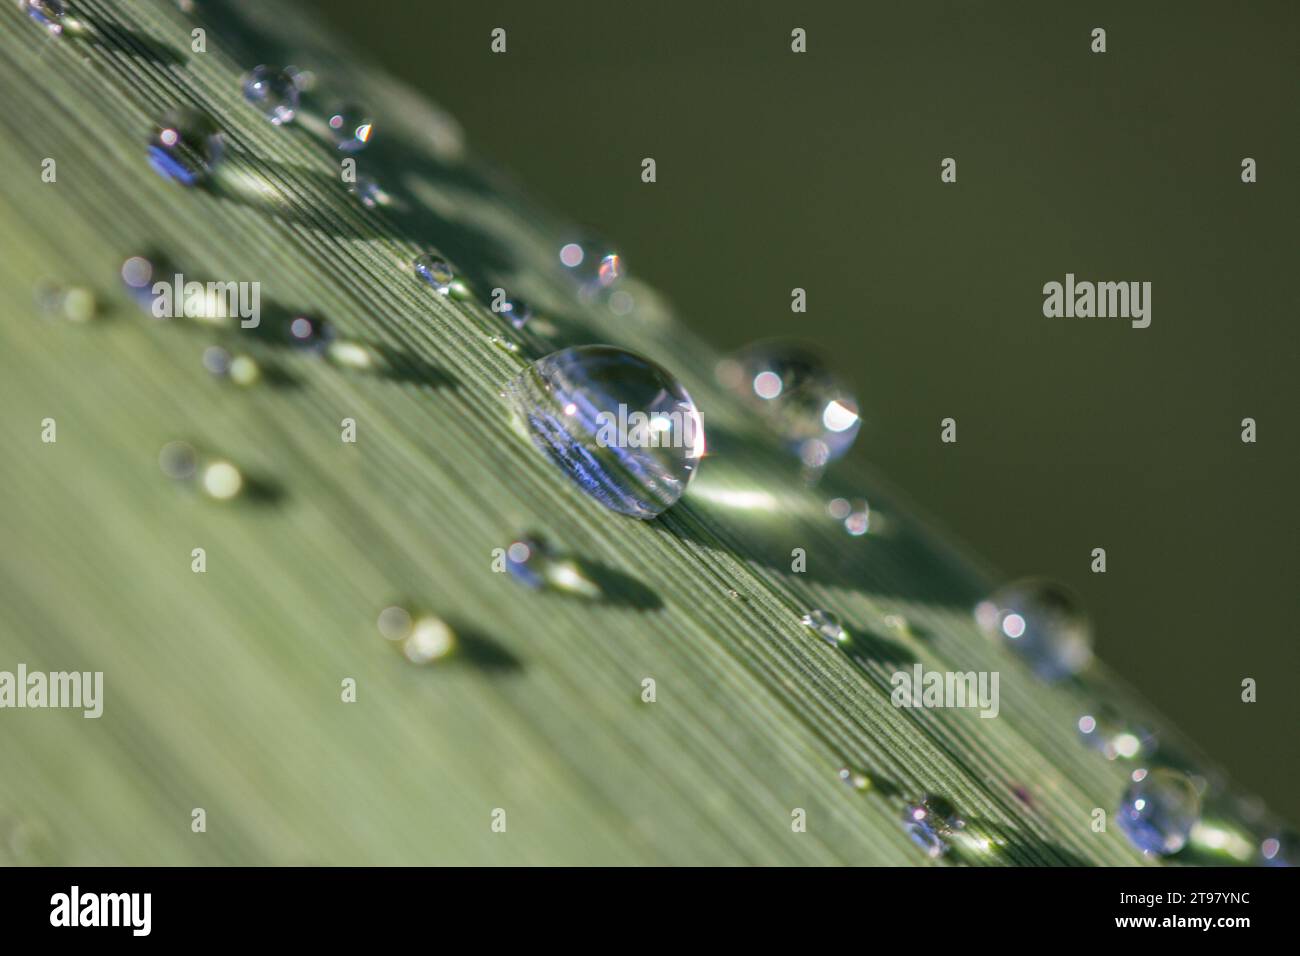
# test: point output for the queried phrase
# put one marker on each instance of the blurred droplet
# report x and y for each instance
(1158, 810)
(394, 623)
(535, 564)
(350, 128)
(71, 303)
(436, 271)
(310, 333)
(826, 625)
(178, 460)
(592, 262)
(516, 311)
(273, 92)
(931, 822)
(430, 640)
(1106, 731)
(1280, 849)
(51, 14)
(811, 412)
(186, 146)
(855, 514)
(855, 779)
(221, 480)
(1043, 623)
(577, 405)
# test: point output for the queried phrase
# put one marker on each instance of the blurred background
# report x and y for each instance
(821, 171)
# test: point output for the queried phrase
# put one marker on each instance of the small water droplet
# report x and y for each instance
(430, 640)
(350, 128)
(241, 370)
(310, 333)
(810, 410)
(932, 822)
(368, 192)
(178, 460)
(1281, 848)
(394, 623)
(1158, 810)
(274, 92)
(1106, 731)
(855, 779)
(51, 14)
(436, 271)
(855, 513)
(535, 564)
(516, 311)
(593, 262)
(503, 343)
(1043, 623)
(618, 425)
(826, 625)
(72, 303)
(221, 480)
(621, 302)
(186, 146)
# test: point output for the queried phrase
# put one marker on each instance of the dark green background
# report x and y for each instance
(822, 171)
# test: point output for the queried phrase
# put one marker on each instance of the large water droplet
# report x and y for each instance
(618, 425)
(350, 128)
(810, 410)
(1158, 810)
(1042, 622)
(50, 14)
(826, 626)
(436, 271)
(274, 92)
(186, 146)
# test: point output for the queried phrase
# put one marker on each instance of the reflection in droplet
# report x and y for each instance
(931, 822)
(825, 625)
(186, 146)
(618, 425)
(274, 92)
(436, 271)
(809, 409)
(430, 640)
(1043, 623)
(350, 128)
(1158, 810)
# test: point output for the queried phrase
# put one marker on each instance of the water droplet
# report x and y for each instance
(534, 563)
(592, 262)
(310, 333)
(186, 146)
(503, 343)
(516, 311)
(368, 192)
(1158, 810)
(436, 271)
(350, 128)
(73, 303)
(274, 92)
(430, 640)
(1103, 729)
(855, 779)
(221, 481)
(241, 370)
(810, 410)
(1042, 622)
(826, 625)
(178, 460)
(621, 303)
(932, 822)
(394, 623)
(1280, 849)
(620, 426)
(51, 14)
(855, 513)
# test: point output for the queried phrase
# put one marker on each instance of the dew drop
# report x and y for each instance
(826, 625)
(1104, 730)
(350, 128)
(178, 460)
(810, 410)
(394, 623)
(504, 343)
(621, 427)
(855, 779)
(72, 303)
(517, 312)
(368, 192)
(1043, 623)
(621, 303)
(310, 333)
(430, 640)
(1280, 849)
(1158, 810)
(535, 564)
(593, 263)
(931, 822)
(221, 480)
(854, 513)
(241, 370)
(51, 14)
(274, 92)
(436, 271)
(186, 146)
